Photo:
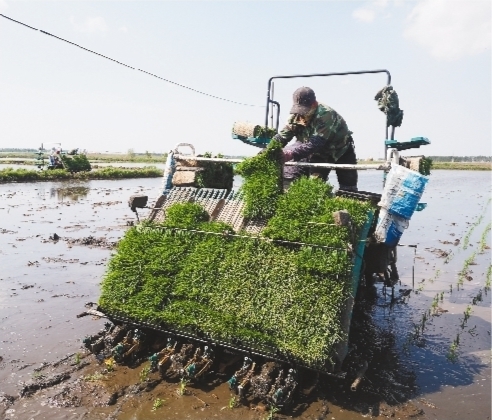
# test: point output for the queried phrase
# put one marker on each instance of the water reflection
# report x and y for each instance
(73, 193)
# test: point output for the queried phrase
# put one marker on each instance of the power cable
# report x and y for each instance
(126, 65)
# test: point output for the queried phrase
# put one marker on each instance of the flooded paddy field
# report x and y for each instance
(426, 343)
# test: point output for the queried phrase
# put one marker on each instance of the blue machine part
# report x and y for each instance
(253, 141)
(414, 143)
(167, 179)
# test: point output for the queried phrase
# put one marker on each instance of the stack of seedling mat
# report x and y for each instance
(279, 282)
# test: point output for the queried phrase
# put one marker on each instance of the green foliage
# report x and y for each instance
(183, 383)
(158, 402)
(271, 413)
(425, 166)
(264, 132)
(462, 166)
(262, 292)
(25, 175)
(185, 215)
(109, 364)
(483, 239)
(488, 279)
(262, 181)
(215, 175)
(94, 377)
(232, 402)
(305, 214)
(76, 163)
(453, 354)
(144, 373)
(480, 158)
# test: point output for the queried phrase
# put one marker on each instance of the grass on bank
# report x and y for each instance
(31, 175)
(464, 166)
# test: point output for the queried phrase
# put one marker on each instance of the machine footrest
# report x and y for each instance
(414, 143)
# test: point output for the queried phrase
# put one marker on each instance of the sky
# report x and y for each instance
(437, 51)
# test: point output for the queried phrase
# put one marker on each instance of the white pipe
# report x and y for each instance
(380, 167)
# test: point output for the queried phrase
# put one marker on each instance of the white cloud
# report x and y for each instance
(123, 29)
(450, 30)
(3, 6)
(90, 25)
(364, 14)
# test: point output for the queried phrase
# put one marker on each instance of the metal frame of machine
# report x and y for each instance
(216, 201)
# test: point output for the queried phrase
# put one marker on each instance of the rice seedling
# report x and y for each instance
(483, 239)
(262, 181)
(464, 271)
(232, 402)
(452, 354)
(425, 166)
(488, 279)
(76, 163)
(109, 364)
(158, 402)
(466, 317)
(37, 375)
(466, 239)
(94, 377)
(187, 274)
(271, 413)
(215, 175)
(435, 304)
(183, 383)
(144, 373)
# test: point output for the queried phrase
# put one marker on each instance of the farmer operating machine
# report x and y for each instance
(263, 273)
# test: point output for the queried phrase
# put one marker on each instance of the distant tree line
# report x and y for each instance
(16, 149)
(461, 158)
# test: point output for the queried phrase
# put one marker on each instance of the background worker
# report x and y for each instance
(322, 137)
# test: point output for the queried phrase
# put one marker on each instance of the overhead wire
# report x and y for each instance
(128, 66)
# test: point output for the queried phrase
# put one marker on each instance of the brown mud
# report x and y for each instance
(416, 367)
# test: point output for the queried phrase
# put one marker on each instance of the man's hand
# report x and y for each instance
(287, 155)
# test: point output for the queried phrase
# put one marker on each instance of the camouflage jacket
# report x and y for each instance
(326, 135)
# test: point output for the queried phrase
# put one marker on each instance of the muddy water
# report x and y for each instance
(414, 368)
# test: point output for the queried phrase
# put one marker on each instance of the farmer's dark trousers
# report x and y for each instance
(347, 178)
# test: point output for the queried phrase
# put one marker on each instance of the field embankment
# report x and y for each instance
(29, 175)
(464, 166)
(454, 166)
